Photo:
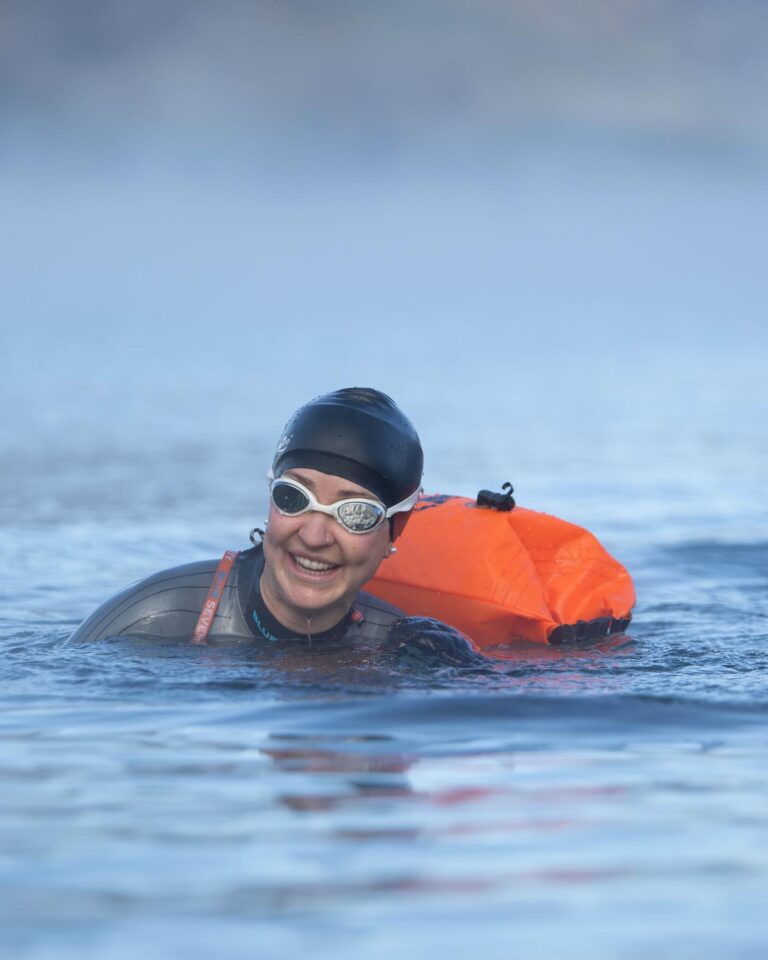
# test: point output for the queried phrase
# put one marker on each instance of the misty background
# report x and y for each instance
(539, 224)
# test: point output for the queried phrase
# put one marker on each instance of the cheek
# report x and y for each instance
(369, 554)
(279, 528)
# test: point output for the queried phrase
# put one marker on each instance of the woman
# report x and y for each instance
(345, 476)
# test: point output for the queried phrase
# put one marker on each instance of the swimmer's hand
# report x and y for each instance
(420, 642)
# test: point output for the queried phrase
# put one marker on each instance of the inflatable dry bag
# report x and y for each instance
(501, 573)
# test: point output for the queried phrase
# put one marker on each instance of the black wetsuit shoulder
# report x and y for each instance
(167, 605)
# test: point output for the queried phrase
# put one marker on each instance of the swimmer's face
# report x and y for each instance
(313, 567)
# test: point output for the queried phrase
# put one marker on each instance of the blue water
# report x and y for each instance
(166, 801)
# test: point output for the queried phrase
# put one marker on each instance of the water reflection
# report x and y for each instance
(506, 807)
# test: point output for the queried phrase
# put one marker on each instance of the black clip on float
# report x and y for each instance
(503, 502)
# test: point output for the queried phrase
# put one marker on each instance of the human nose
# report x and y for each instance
(315, 531)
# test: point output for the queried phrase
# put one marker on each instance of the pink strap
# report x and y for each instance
(211, 604)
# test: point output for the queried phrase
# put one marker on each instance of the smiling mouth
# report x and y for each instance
(312, 566)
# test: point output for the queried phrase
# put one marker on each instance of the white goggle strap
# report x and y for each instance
(408, 504)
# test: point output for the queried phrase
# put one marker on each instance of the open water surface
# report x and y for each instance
(164, 800)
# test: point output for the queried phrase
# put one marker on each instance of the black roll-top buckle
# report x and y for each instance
(497, 501)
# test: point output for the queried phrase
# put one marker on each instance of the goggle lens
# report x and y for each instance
(360, 517)
(289, 499)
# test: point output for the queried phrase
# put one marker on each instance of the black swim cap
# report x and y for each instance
(359, 434)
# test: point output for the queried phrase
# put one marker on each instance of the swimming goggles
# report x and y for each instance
(356, 515)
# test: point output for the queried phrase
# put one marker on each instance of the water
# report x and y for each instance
(165, 800)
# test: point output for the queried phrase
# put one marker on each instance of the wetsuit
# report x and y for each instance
(167, 606)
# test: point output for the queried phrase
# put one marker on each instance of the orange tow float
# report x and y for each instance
(503, 574)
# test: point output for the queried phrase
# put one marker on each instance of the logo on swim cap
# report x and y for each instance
(283, 443)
